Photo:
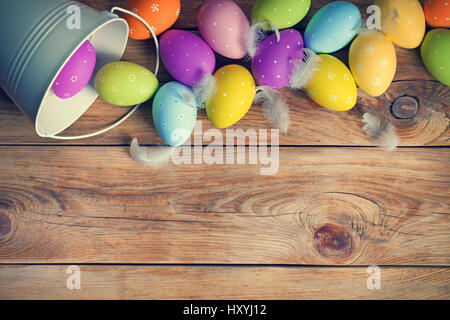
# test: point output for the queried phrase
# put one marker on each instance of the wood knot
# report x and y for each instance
(5, 224)
(333, 241)
(405, 107)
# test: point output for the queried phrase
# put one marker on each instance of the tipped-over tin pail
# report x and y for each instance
(37, 40)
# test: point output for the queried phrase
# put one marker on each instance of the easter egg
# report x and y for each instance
(437, 13)
(76, 73)
(186, 56)
(224, 27)
(283, 14)
(435, 53)
(159, 14)
(173, 116)
(125, 83)
(332, 27)
(332, 86)
(402, 21)
(233, 97)
(373, 62)
(274, 62)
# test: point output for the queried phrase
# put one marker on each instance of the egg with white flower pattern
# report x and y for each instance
(373, 62)
(186, 56)
(332, 27)
(125, 83)
(283, 14)
(224, 26)
(159, 14)
(76, 73)
(174, 113)
(275, 61)
(332, 85)
(437, 13)
(435, 52)
(403, 22)
(233, 97)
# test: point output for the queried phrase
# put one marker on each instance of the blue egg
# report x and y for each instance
(174, 113)
(332, 27)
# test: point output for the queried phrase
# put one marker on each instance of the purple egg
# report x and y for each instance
(77, 72)
(186, 56)
(274, 62)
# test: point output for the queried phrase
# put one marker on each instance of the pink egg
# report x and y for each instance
(274, 62)
(224, 26)
(77, 72)
(186, 56)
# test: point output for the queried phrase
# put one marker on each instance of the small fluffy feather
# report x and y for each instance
(305, 69)
(255, 35)
(150, 156)
(275, 108)
(187, 97)
(205, 90)
(382, 133)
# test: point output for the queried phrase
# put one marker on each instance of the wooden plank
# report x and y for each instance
(235, 282)
(324, 206)
(310, 124)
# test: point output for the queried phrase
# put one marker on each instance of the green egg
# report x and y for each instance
(283, 14)
(125, 83)
(435, 53)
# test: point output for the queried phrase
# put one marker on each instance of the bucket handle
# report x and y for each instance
(133, 110)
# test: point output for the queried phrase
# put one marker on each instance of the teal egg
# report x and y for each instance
(174, 113)
(332, 27)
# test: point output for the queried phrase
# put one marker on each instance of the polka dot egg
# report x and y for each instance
(332, 27)
(233, 98)
(373, 62)
(274, 62)
(283, 14)
(435, 53)
(173, 115)
(159, 14)
(125, 83)
(437, 13)
(76, 73)
(332, 86)
(186, 56)
(224, 26)
(402, 21)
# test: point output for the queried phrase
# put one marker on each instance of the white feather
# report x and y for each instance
(187, 96)
(205, 90)
(150, 156)
(382, 133)
(275, 108)
(256, 34)
(305, 69)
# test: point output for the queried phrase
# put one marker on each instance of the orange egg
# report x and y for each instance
(437, 12)
(159, 14)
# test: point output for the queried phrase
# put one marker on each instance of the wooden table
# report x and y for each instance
(337, 205)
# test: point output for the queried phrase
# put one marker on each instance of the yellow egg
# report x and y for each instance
(373, 62)
(403, 21)
(233, 98)
(332, 86)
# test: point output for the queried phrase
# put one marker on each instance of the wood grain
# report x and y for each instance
(310, 124)
(324, 206)
(201, 282)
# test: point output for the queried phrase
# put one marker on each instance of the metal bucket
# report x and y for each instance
(36, 43)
